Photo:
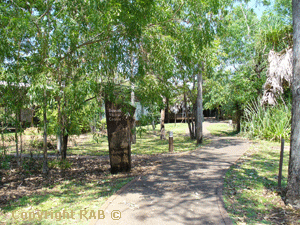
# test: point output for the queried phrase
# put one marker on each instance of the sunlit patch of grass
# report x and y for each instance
(150, 143)
(251, 186)
(147, 143)
(91, 147)
(68, 195)
(76, 195)
(221, 129)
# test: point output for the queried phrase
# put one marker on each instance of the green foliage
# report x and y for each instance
(5, 162)
(59, 164)
(36, 143)
(98, 137)
(267, 122)
(141, 130)
(102, 124)
(144, 120)
(31, 164)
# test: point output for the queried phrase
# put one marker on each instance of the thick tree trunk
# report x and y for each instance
(162, 121)
(199, 111)
(293, 186)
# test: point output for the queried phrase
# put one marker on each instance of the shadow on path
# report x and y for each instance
(182, 190)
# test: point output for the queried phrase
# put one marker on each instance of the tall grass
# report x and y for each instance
(267, 122)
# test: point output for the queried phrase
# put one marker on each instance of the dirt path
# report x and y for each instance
(184, 189)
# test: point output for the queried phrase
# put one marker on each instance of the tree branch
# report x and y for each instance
(45, 13)
(172, 18)
(85, 44)
(89, 99)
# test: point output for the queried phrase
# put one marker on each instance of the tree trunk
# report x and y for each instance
(293, 186)
(16, 137)
(21, 140)
(2, 138)
(59, 120)
(133, 136)
(199, 111)
(168, 112)
(45, 161)
(238, 117)
(153, 125)
(218, 113)
(64, 146)
(190, 122)
(162, 121)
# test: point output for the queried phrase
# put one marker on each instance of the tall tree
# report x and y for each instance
(293, 187)
(199, 114)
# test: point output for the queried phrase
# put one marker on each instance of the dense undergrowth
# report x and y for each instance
(267, 122)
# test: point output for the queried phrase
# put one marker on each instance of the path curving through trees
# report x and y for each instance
(185, 188)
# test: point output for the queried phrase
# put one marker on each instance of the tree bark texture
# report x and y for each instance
(168, 112)
(17, 129)
(133, 137)
(59, 137)
(119, 132)
(192, 136)
(199, 111)
(293, 186)
(162, 121)
(64, 146)
(45, 160)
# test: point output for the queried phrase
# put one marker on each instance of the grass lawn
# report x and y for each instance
(221, 129)
(147, 143)
(150, 143)
(84, 184)
(66, 195)
(251, 192)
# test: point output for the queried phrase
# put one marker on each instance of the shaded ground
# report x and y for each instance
(183, 189)
(251, 189)
(19, 183)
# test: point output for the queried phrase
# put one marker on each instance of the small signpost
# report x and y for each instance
(119, 119)
(171, 146)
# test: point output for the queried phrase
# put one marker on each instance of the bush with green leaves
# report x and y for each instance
(267, 122)
(59, 164)
(5, 162)
(102, 124)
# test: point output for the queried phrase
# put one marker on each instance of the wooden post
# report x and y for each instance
(119, 119)
(171, 146)
(281, 163)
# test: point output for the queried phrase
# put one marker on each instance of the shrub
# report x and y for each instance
(58, 164)
(267, 122)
